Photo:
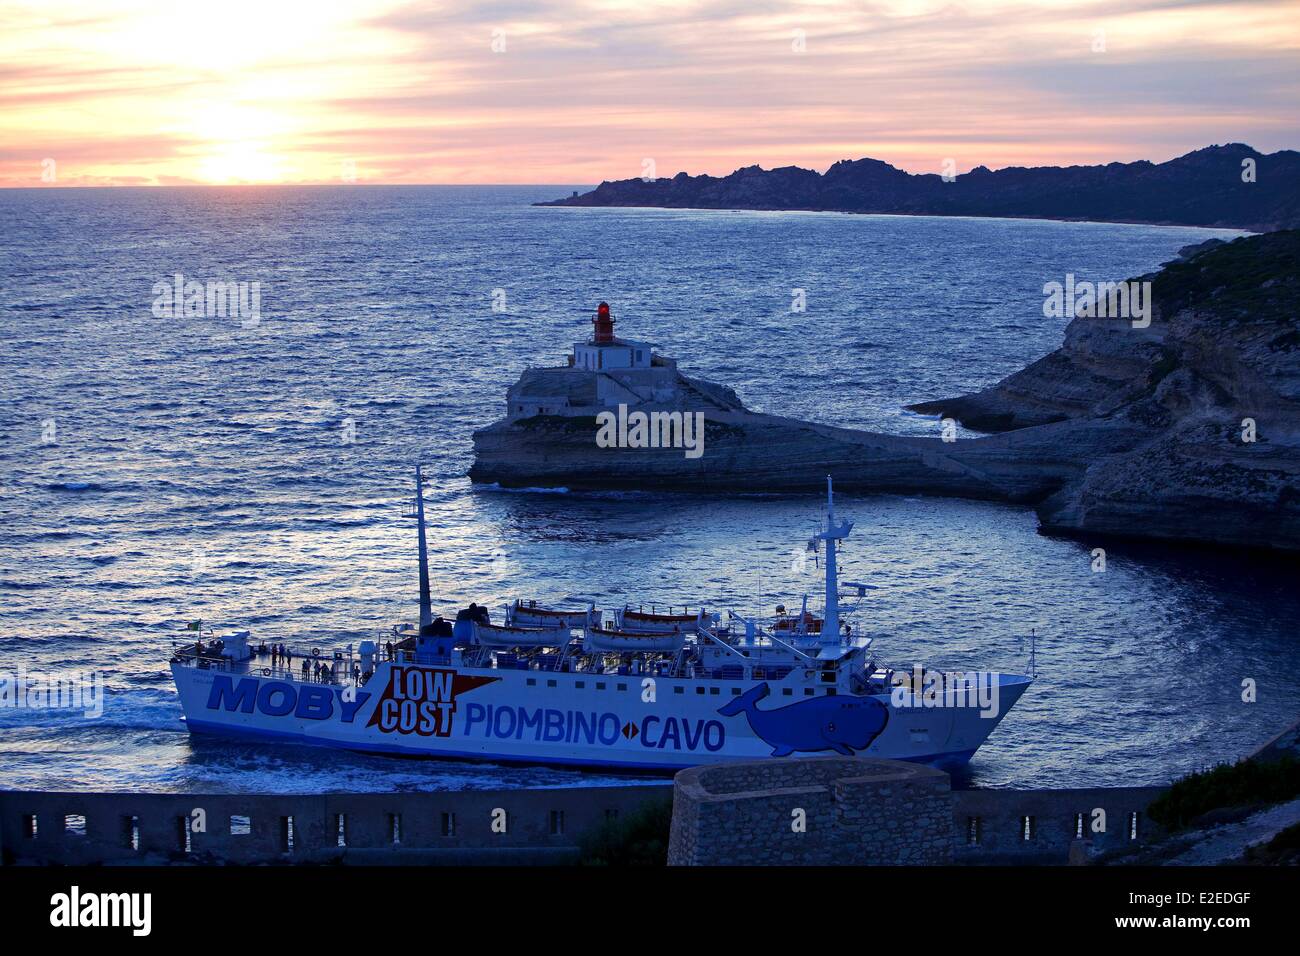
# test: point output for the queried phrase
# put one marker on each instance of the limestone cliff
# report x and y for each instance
(1218, 366)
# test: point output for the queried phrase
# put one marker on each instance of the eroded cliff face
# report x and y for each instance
(1209, 396)
(1188, 429)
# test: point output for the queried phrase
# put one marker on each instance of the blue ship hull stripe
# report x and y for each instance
(950, 759)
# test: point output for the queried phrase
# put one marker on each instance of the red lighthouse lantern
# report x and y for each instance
(604, 323)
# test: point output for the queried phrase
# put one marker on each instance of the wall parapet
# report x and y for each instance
(458, 827)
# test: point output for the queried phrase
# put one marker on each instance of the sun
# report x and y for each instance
(239, 162)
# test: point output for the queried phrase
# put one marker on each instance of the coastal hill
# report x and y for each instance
(1202, 188)
(1122, 431)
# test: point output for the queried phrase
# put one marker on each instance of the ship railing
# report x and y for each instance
(256, 665)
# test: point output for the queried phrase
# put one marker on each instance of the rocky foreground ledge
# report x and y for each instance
(1187, 430)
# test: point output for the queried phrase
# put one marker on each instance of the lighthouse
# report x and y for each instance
(603, 372)
(605, 352)
(604, 323)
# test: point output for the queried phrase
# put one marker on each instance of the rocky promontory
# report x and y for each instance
(1186, 429)
(1208, 397)
(1230, 186)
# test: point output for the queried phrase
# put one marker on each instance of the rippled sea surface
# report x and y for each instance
(158, 470)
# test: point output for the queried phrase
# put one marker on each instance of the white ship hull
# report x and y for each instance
(580, 719)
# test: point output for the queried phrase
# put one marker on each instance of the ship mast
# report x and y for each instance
(830, 636)
(426, 600)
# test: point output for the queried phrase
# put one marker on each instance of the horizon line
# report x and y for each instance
(821, 172)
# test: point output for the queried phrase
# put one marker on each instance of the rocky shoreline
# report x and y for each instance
(1187, 430)
(1203, 406)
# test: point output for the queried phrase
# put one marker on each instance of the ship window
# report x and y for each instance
(1027, 828)
(715, 690)
(735, 692)
(830, 691)
(131, 833)
(532, 682)
(974, 830)
(788, 691)
(600, 685)
(557, 822)
(29, 825)
(240, 826)
(550, 683)
(622, 686)
(580, 684)
(448, 824)
(679, 689)
(699, 690)
(74, 823)
(808, 691)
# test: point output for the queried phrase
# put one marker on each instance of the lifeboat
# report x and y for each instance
(532, 614)
(651, 621)
(631, 642)
(514, 635)
(790, 624)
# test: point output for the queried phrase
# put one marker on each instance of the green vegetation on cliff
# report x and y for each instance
(1255, 279)
(1244, 784)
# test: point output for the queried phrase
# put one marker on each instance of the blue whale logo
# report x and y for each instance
(842, 724)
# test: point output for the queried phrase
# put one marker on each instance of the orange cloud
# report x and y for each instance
(570, 91)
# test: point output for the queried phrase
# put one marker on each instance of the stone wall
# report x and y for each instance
(852, 811)
(541, 826)
(859, 811)
(1044, 826)
(811, 811)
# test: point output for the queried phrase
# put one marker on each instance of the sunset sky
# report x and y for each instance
(577, 91)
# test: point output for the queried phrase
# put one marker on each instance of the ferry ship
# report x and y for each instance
(630, 689)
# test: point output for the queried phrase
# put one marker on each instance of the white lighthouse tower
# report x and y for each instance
(601, 373)
(605, 352)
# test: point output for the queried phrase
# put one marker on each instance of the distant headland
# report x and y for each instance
(1231, 186)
